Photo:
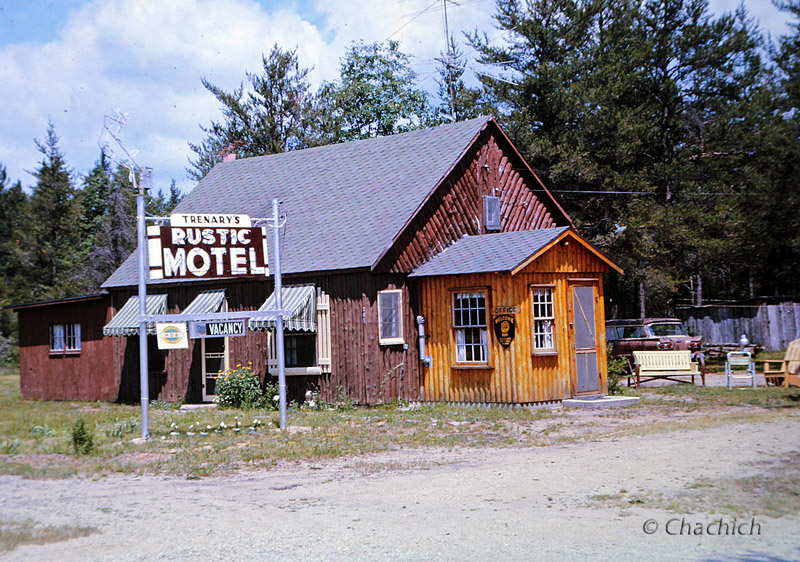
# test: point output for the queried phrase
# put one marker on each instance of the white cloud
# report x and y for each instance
(145, 57)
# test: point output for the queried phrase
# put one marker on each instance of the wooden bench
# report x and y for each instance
(667, 365)
(789, 372)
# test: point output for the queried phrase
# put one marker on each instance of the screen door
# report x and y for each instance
(214, 362)
(587, 375)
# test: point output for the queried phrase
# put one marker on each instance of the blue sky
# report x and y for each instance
(74, 61)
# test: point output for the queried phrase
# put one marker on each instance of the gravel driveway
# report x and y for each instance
(580, 501)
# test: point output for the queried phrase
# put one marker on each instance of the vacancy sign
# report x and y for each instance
(207, 246)
(220, 329)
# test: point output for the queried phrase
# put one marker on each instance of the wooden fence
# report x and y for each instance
(771, 326)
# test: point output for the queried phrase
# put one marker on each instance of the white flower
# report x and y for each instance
(276, 398)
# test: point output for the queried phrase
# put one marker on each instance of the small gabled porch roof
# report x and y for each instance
(508, 252)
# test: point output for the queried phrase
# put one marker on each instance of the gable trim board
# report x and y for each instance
(509, 251)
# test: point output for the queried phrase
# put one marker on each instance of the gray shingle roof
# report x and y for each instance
(345, 203)
(488, 253)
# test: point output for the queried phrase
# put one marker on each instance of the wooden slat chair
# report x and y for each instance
(740, 365)
(789, 371)
(667, 365)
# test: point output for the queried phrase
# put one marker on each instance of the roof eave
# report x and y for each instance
(52, 302)
(458, 159)
(533, 174)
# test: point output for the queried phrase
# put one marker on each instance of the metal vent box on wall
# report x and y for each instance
(491, 212)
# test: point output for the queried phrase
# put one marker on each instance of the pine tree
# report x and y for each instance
(109, 211)
(458, 102)
(14, 242)
(623, 96)
(264, 119)
(55, 210)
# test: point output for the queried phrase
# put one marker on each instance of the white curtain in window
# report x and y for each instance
(461, 348)
(57, 337)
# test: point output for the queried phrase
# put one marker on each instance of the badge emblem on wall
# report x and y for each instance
(504, 328)
(172, 335)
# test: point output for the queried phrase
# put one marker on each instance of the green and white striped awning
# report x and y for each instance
(206, 302)
(300, 301)
(126, 321)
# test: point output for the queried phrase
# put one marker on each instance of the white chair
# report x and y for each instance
(740, 365)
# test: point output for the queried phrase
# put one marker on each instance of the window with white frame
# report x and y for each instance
(300, 349)
(469, 322)
(390, 313)
(543, 320)
(65, 337)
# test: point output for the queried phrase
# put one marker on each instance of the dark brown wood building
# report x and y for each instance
(363, 222)
(63, 354)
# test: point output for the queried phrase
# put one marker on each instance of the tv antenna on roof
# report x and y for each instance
(141, 178)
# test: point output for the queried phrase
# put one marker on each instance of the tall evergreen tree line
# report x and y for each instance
(659, 117)
(653, 115)
(68, 234)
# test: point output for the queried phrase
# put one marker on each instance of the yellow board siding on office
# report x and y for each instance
(515, 374)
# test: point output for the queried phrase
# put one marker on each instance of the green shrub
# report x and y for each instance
(10, 447)
(82, 438)
(239, 388)
(268, 401)
(618, 369)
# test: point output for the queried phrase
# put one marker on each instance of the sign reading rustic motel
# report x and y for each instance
(207, 246)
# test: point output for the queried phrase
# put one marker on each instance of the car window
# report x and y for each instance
(633, 332)
(667, 329)
(613, 333)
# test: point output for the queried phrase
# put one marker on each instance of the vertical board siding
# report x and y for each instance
(358, 367)
(87, 375)
(516, 375)
(771, 326)
(455, 209)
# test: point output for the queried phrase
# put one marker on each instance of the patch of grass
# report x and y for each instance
(774, 491)
(700, 397)
(35, 436)
(14, 534)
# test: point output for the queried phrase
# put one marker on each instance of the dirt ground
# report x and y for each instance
(634, 497)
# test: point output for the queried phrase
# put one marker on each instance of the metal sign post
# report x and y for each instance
(144, 381)
(251, 263)
(111, 129)
(279, 320)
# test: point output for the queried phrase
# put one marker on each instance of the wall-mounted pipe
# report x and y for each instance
(427, 360)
